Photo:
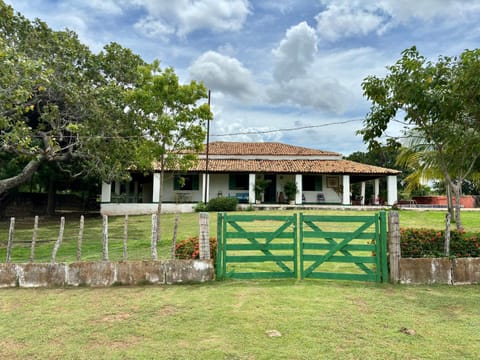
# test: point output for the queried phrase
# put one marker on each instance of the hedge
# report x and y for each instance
(418, 243)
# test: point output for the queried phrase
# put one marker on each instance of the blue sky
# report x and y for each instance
(274, 66)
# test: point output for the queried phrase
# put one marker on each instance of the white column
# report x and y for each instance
(376, 192)
(346, 190)
(298, 196)
(362, 193)
(156, 187)
(251, 189)
(392, 190)
(206, 187)
(106, 192)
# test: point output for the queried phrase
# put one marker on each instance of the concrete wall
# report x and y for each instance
(34, 275)
(144, 209)
(439, 200)
(460, 271)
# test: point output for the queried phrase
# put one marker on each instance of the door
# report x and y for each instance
(271, 190)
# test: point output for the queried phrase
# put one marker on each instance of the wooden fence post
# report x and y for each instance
(80, 238)
(34, 239)
(125, 238)
(204, 238)
(174, 238)
(11, 231)
(394, 246)
(154, 237)
(105, 238)
(59, 240)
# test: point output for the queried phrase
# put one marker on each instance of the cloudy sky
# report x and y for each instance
(279, 70)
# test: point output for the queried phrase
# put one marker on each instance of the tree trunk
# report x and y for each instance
(449, 199)
(447, 234)
(457, 188)
(25, 174)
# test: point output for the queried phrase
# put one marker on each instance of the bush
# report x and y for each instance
(222, 204)
(201, 207)
(417, 243)
(190, 249)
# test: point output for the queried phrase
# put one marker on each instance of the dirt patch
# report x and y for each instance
(115, 344)
(115, 317)
(10, 349)
(167, 310)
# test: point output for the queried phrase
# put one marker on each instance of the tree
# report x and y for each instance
(172, 119)
(61, 103)
(440, 104)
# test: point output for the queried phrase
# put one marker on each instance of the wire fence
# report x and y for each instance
(116, 238)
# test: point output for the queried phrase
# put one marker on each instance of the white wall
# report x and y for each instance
(330, 195)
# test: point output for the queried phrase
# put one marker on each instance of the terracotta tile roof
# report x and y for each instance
(293, 166)
(264, 148)
(290, 159)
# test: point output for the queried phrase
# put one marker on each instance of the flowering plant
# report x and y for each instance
(418, 243)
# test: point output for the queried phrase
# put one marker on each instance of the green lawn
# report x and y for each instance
(229, 320)
(139, 233)
(317, 319)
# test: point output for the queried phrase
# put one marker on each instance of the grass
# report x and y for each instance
(229, 320)
(139, 233)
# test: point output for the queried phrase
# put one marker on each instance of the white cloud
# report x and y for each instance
(341, 21)
(225, 74)
(314, 91)
(295, 80)
(188, 16)
(345, 18)
(153, 28)
(295, 52)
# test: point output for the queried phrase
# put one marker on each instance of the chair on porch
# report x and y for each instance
(320, 198)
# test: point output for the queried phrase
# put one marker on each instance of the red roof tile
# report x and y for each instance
(265, 148)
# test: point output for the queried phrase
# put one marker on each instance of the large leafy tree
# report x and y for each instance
(440, 104)
(172, 117)
(61, 103)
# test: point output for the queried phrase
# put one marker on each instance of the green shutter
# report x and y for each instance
(195, 182)
(318, 183)
(231, 182)
(176, 183)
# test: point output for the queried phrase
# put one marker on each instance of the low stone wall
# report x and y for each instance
(460, 271)
(34, 275)
(114, 209)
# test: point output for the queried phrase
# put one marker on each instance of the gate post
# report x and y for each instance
(394, 245)
(384, 246)
(220, 260)
(204, 239)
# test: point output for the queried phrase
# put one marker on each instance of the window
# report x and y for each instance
(238, 182)
(185, 182)
(312, 183)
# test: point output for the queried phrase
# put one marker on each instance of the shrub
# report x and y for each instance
(222, 204)
(190, 249)
(430, 243)
(201, 207)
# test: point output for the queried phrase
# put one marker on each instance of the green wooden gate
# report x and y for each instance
(257, 246)
(304, 246)
(344, 247)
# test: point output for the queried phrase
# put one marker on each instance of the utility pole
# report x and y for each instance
(207, 183)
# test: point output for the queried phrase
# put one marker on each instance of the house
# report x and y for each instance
(232, 169)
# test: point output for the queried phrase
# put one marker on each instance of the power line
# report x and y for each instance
(251, 132)
(254, 132)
